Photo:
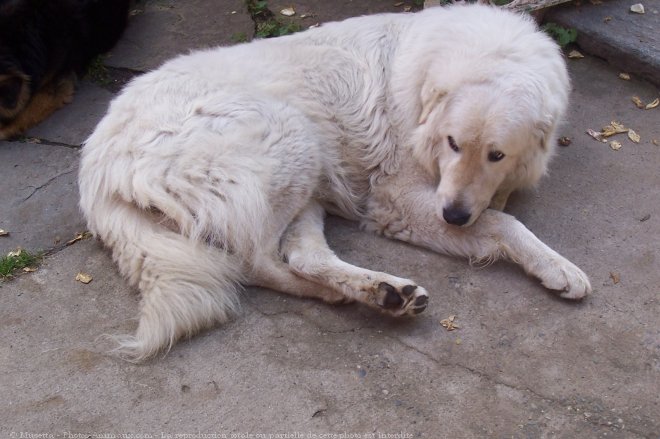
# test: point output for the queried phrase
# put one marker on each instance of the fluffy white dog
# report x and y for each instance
(218, 168)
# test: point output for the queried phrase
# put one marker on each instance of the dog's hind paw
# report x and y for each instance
(406, 300)
(568, 279)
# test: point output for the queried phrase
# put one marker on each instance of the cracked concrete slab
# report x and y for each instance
(40, 195)
(161, 29)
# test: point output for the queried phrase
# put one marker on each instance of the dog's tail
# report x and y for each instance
(186, 284)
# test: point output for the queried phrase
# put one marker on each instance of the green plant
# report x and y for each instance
(266, 24)
(276, 29)
(97, 72)
(239, 37)
(16, 260)
(562, 35)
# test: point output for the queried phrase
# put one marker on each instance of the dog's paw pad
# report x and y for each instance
(393, 299)
(409, 299)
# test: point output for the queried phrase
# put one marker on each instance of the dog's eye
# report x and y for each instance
(452, 144)
(495, 156)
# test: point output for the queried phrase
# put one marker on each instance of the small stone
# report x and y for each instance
(288, 12)
(637, 8)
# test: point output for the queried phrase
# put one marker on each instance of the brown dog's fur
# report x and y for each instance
(44, 47)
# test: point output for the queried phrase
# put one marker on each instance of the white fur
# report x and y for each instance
(218, 167)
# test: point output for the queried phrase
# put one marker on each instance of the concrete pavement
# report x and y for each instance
(522, 364)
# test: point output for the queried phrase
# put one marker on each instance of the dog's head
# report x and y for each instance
(482, 139)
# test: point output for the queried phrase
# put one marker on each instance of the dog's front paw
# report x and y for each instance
(405, 300)
(562, 275)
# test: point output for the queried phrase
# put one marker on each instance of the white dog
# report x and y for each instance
(218, 168)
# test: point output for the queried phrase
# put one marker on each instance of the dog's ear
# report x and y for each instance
(545, 130)
(430, 97)
(13, 90)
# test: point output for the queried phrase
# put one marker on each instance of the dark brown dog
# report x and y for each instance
(44, 46)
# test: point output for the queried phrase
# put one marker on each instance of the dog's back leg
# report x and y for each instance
(309, 256)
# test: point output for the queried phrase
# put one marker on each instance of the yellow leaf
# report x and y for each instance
(618, 126)
(633, 136)
(613, 128)
(15, 253)
(29, 269)
(596, 135)
(84, 278)
(79, 236)
(637, 101)
(653, 104)
(574, 54)
(449, 324)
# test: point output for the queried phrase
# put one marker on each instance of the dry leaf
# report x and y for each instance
(397, 4)
(288, 12)
(656, 142)
(624, 76)
(596, 135)
(574, 54)
(458, 341)
(29, 269)
(637, 101)
(613, 128)
(618, 126)
(14, 253)
(653, 104)
(607, 19)
(564, 141)
(615, 145)
(615, 277)
(407, 8)
(633, 136)
(449, 324)
(83, 277)
(79, 237)
(4, 233)
(637, 8)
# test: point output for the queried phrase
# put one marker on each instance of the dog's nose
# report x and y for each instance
(455, 215)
